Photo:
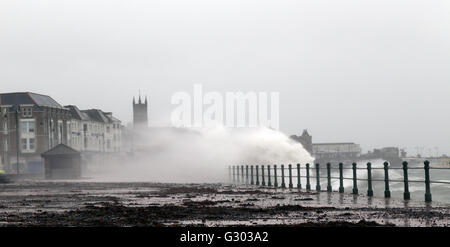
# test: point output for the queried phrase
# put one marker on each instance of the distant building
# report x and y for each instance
(33, 122)
(393, 155)
(39, 123)
(140, 114)
(386, 153)
(306, 140)
(94, 131)
(135, 135)
(127, 138)
(336, 151)
(328, 151)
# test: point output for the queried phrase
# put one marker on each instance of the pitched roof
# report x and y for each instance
(44, 100)
(77, 114)
(60, 149)
(91, 115)
(96, 115)
(110, 117)
(114, 119)
(28, 98)
(22, 98)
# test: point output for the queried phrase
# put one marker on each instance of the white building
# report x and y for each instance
(336, 150)
(94, 131)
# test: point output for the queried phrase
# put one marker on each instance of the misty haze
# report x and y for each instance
(242, 112)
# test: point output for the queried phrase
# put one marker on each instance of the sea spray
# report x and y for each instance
(200, 155)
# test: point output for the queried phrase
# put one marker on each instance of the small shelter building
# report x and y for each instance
(62, 162)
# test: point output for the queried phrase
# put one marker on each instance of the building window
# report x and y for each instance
(28, 144)
(31, 143)
(27, 135)
(27, 111)
(28, 126)
(24, 144)
(24, 128)
(31, 126)
(5, 145)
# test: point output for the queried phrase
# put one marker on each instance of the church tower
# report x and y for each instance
(140, 119)
(306, 140)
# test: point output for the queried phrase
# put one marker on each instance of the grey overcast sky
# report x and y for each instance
(372, 72)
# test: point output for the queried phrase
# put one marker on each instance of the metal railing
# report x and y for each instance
(258, 173)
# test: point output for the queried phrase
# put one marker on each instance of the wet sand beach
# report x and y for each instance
(87, 203)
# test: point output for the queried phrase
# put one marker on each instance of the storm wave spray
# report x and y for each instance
(201, 155)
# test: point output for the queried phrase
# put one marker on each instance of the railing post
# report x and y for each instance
(427, 181)
(269, 183)
(251, 175)
(237, 174)
(242, 174)
(329, 189)
(290, 177)
(406, 195)
(234, 174)
(246, 175)
(355, 180)
(387, 192)
(317, 176)
(299, 183)
(283, 185)
(308, 184)
(341, 178)
(257, 175)
(369, 179)
(263, 182)
(275, 176)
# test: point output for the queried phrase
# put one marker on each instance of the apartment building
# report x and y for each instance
(31, 124)
(94, 131)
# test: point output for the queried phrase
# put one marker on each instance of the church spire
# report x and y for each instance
(140, 102)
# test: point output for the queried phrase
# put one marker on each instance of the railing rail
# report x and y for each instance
(259, 173)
